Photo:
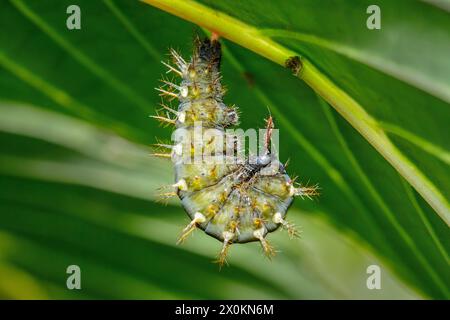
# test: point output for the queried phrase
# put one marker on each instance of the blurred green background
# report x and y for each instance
(78, 185)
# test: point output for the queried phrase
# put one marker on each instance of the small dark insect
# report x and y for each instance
(294, 64)
(232, 202)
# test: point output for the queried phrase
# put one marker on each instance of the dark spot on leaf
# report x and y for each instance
(248, 78)
(294, 64)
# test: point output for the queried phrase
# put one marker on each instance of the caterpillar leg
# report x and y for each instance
(198, 218)
(227, 237)
(293, 232)
(268, 249)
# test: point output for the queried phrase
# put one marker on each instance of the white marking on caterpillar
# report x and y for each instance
(277, 218)
(259, 233)
(181, 185)
(199, 217)
(182, 117)
(177, 149)
(184, 92)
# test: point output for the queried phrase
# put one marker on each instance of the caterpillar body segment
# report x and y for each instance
(232, 201)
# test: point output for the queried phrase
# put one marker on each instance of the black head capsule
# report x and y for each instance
(209, 52)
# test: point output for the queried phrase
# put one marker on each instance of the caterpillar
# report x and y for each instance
(235, 201)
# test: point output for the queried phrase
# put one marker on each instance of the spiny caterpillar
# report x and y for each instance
(232, 201)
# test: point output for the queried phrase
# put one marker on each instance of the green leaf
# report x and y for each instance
(80, 186)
